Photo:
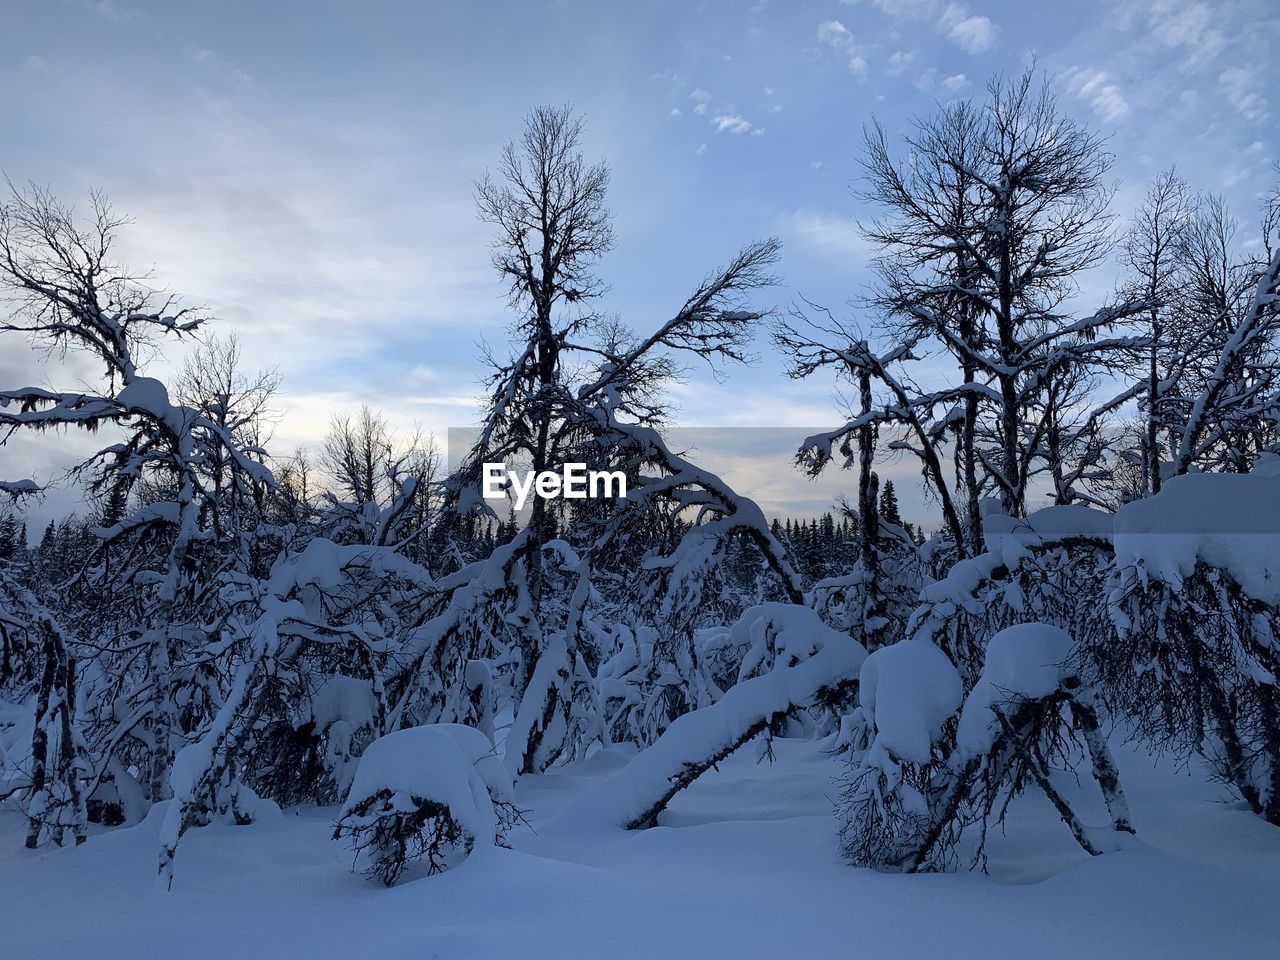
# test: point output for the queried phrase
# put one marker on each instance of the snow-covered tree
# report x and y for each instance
(1192, 658)
(581, 388)
(987, 225)
(152, 683)
(429, 793)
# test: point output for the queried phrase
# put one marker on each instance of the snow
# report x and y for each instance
(436, 762)
(744, 866)
(908, 690)
(1058, 522)
(19, 488)
(342, 698)
(341, 706)
(1027, 661)
(701, 734)
(1229, 521)
(324, 566)
(958, 586)
(17, 723)
(149, 396)
(791, 633)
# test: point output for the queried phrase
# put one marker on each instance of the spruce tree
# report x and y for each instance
(889, 505)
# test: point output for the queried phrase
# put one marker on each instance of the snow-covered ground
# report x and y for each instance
(744, 864)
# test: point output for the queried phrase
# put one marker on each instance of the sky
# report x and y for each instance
(305, 168)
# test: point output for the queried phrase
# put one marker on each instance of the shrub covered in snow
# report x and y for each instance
(1195, 602)
(907, 695)
(812, 665)
(427, 793)
(931, 767)
(1051, 567)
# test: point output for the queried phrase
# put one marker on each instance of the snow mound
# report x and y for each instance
(1059, 522)
(147, 395)
(782, 633)
(908, 691)
(1028, 661)
(340, 707)
(341, 699)
(1228, 520)
(446, 763)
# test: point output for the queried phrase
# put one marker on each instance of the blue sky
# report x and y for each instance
(305, 168)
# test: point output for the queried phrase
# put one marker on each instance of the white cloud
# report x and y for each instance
(676, 112)
(972, 33)
(735, 123)
(1239, 86)
(107, 10)
(826, 235)
(731, 122)
(836, 35)
(913, 9)
(1187, 26)
(899, 61)
(1097, 89)
(955, 82)
(422, 374)
(700, 100)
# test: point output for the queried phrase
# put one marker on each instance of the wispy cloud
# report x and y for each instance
(1097, 88)
(239, 78)
(735, 123)
(1189, 27)
(834, 34)
(971, 32)
(1240, 87)
(833, 237)
(109, 10)
(915, 9)
(899, 61)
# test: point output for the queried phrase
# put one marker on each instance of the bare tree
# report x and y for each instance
(1152, 251)
(548, 203)
(214, 382)
(987, 225)
(1227, 331)
(1211, 361)
(357, 454)
(375, 470)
